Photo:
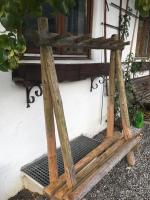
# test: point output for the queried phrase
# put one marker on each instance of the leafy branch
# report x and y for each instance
(143, 6)
(12, 17)
(125, 24)
(135, 107)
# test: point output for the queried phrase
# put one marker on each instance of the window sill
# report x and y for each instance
(77, 67)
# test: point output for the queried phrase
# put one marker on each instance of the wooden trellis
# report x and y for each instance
(80, 178)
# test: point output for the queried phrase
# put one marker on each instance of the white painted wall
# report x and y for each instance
(22, 130)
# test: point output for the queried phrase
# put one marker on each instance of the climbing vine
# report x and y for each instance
(125, 24)
(135, 107)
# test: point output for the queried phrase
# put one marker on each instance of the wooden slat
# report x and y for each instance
(49, 67)
(49, 121)
(100, 171)
(111, 96)
(50, 190)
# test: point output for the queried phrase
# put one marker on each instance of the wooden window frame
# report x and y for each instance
(60, 28)
(143, 38)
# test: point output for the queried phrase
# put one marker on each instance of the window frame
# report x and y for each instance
(142, 39)
(60, 29)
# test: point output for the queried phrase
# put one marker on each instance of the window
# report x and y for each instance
(78, 22)
(143, 38)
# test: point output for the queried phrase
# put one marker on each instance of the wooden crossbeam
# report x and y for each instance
(86, 41)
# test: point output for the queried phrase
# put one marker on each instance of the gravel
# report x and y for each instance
(122, 183)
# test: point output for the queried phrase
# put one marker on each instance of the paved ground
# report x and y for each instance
(122, 183)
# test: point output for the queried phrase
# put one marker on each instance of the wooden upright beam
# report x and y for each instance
(124, 107)
(122, 97)
(50, 132)
(49, 67)
(49, 121)
(111, 95)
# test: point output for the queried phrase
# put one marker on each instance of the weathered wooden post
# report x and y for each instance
(47, 62)
(123, 106)
(49, 117)
(111, 96)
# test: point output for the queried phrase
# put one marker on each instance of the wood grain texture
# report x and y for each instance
(49, 68)
(91, 167)
(49, 121)
(111, 96)
(100, 171)
(123, 106)
(51, 189)
(122, 98)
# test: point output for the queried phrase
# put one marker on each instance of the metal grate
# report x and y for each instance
(38, 169)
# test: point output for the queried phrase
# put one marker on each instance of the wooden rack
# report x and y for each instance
(80, 178)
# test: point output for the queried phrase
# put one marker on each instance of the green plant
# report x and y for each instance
(143, 6)
(125, 24)
(12, 15)
(134, 107)
(139, 119)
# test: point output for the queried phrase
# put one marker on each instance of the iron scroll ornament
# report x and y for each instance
(37, 93)
(95, 81)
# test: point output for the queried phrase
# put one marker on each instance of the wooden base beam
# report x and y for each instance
(51, 189)
(100, 171)
(88, 176)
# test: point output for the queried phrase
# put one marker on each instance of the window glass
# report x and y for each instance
(76, 23)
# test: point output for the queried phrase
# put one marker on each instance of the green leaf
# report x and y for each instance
(11, 22)
(4, 42)
(21, 44)
(136, 4)
(3, 56)
(139, 120)
(3, 68)
(143, 6)
(12, 63)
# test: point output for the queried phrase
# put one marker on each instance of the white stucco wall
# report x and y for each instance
(22, 130)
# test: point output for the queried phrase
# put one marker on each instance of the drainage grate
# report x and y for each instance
(38, 169)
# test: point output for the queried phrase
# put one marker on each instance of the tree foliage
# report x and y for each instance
(12, 16)
(143, 6)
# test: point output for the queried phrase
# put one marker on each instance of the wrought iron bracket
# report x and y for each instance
(37, 93)
(96, 81)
